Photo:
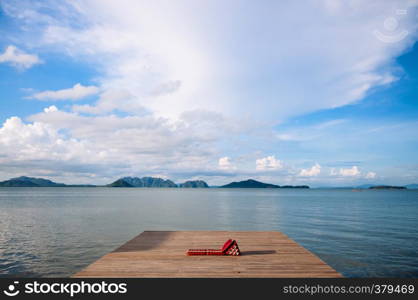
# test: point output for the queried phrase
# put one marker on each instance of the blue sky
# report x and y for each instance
(323, 93)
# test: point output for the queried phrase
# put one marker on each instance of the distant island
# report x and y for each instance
(194, 184)
(24, 181)
(251, 183)
(143, 182)
(387, 187)
(155, 182)
(375, 187)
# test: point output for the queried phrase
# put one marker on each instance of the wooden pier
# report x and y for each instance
(162, 254)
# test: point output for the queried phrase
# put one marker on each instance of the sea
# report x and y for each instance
(55, 232)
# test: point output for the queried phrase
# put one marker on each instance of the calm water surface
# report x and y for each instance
(57, 231)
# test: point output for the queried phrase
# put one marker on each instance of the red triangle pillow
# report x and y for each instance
(227, 244)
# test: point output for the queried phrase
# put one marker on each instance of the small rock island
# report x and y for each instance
(387, 187)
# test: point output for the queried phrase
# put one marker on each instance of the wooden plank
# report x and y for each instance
(162, 254)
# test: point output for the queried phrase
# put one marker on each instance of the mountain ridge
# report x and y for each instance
(142, 182)
(251, 183)
(155, 182)
(193, 184)
(24, 181)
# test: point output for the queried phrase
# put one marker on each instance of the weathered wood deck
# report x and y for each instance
(162, 254)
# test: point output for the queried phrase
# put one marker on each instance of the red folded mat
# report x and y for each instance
(229, 248)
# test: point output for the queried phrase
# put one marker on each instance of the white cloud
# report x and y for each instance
(370, 175)
(18, 58)
(77, 92)
(353, 171)
(313, 171)
(336, 65)
(110, 100)
(51, 108)
(22, 142)
(145, 143)
(268, 163)
(224, 163)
